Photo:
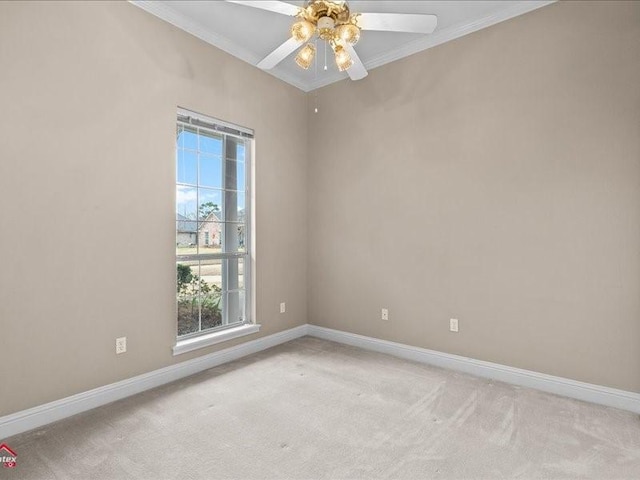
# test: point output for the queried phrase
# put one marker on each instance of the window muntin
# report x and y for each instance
(212, 224)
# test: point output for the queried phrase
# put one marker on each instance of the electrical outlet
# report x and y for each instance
(384, 314)
(453, 324)
(121, 345)
(283, 307)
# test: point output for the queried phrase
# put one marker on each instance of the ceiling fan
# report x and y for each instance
(333, 22)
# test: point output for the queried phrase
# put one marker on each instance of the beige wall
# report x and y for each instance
(495, 179)
(88, 93)
(505, 169)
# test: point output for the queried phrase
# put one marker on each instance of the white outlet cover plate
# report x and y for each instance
(453, 324)
(121, 345)
(385, 314)
(283, 307)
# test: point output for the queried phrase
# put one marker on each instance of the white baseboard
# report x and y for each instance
(588, 392)
(39, 416)
(51, 412)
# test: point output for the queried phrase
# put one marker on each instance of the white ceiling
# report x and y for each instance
(251, 34)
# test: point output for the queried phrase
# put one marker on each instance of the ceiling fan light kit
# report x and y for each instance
(303, 30)
(304, 59)
(343, 59)
(333, 22)
(348, 32)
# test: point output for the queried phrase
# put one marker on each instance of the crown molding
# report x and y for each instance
(169, 15)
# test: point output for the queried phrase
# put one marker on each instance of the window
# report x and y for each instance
(213, 160)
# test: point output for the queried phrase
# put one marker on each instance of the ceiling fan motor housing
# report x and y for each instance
(326, 15)
(325, 27)
(314, 10)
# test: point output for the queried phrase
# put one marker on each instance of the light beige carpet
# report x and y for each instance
(315, 409)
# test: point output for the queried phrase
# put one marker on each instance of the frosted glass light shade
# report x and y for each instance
(305, 56)
(302, 31)
(348, 33)
(343, 59)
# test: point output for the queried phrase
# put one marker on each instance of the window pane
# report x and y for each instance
(233, 237)
(241, 273)
(209, 204)
(186, 237)
(234, 206)
(241, 213)
(242, 237)
(235, 306)
(210, 171)
(231, 274)
(236, 150)
(209, 237)
(234, 175)
(187, 138)
(210, 143)
(186, 203)
(211, 196)
(234, 289)
(210, 293)
(187, 297)
(187, 167)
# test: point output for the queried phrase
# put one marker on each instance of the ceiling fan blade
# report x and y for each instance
(357, 70)
(279, 54)
(398, 22)
(272, 6)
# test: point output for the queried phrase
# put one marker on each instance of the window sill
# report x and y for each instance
(190, 344)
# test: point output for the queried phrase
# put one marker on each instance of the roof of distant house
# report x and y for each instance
(213, 216)
(185, 225)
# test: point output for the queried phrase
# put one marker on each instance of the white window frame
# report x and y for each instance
(202, 338)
